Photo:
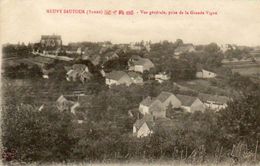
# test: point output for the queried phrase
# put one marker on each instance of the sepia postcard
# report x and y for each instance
(130, 82)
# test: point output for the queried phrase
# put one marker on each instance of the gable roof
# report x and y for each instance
(79, 67)
(85, 74)
(148, 119)
(186, 100)
(61, 99)
(72, 73)
(115, 75)
(163, 96)
(68, 100)
(156, 106)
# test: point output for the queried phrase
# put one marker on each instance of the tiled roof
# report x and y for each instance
(148, 119)
(163, 96)
(72, 73)
(156, 106)
(79, 67)
(85, 74)
(186, 100)
(61, 99)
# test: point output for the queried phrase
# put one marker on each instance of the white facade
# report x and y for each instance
(45, 76)
(186, 108)
(205, 74)
(110, 82)
(143, 109)
(215, 106)
(139, 68)
(73, 108)
(144, 131)
(161, 77)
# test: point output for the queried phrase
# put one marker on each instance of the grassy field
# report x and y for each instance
(254, 71)
(144, 163)
(205, 86)
(247, 68)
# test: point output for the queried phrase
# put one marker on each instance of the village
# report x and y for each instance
(116, 67)
(141, 100)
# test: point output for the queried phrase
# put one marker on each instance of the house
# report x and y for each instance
(157, 110)
(47, 72)
(85, 76)
(78, 72)
(73, 102)
(161, 77)
(152, 107)
(214, 102)
(72, 75)
(110, 56)
(117, 78)
(145, 105)
(140, 64)
(64, 104)
(185, 48)
(190, 103)
(93, 58)
(136, 77)
(205, 74)
(167, 98)
(74, 50)
(143, 127)
(80, 67)
(158, 105)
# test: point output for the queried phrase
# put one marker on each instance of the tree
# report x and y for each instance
(35, 134)
(241, 120)
(178, 42)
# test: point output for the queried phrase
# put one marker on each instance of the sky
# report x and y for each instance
(237, 21)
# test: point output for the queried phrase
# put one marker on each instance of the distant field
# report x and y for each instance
(248, 71)
(246, 68)
(29, 61)
(205, 86)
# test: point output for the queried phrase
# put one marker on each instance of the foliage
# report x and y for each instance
(241, 120)
(23, 71)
